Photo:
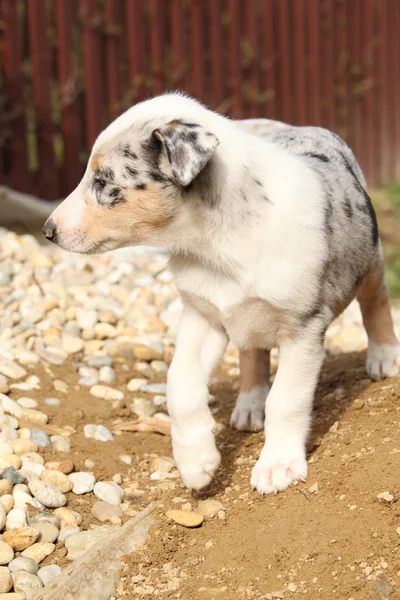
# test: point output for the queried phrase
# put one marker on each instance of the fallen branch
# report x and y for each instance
(49, 429)
(145, 424)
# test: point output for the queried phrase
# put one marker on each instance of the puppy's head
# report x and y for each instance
(132, 189)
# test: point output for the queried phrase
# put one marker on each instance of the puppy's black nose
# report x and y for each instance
(49, 230)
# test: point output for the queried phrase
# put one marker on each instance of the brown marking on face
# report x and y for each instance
(95, 163)
(375, 306)
(254, 369)
(133, 221)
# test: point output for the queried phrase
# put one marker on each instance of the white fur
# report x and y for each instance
(382, 360)
(249, 412)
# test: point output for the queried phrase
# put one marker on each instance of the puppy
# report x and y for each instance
(271, 234)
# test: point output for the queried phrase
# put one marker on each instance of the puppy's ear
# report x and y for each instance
(188, 148)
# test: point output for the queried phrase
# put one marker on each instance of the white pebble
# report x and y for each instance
(83, 482)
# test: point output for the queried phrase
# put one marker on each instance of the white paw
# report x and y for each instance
(278, 466)
(249, 412)
(196, 457)
(383, 360)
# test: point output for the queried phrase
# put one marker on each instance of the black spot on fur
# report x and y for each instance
(328, 214)
(348, 209)
(128, 153)
(243, 195)
(368, 208)
(156, 176)
(257, 182)
(131, 171)
(140, 186)
(107, 173)
(190, 125)
(321, 157)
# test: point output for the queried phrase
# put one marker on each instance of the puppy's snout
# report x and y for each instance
(49, 230)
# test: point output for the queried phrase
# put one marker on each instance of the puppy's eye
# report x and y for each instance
(99, 183)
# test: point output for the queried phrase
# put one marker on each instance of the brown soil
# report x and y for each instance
(317, 541)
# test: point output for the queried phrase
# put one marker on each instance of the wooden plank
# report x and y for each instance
(235, 70)
(251, 75)
(382, 112)
(197, 48)
(396, 80)
(40, 55)
(392, 87)
(368, 58)
(157, 43)
(327, 65)
(299, 62)
(341, 71)
(71, 122)
(269, 58)
(284, 100)
(313, 63)
(178, 46)
(355, 90)
(135, 21)
(217, 79)
(114, 57)
(14, 135)
(93, 68)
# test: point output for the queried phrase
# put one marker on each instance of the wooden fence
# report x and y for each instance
(70, 66)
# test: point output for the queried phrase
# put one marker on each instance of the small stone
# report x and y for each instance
(6, 553)
(58, 479)
(3, 385)
(22, 563)
(144, 407)
(135, 384)
(99, 360)
(22, 500)
(382, 588)
(66, 532)
(71, 343)
(68, 517)
(32, 457)
(6, 582)
(104, 511)
(186, 518)
(82, 482)
(22, 538)
(162, 464)
(388, 497)
(60, 386)
(81, 542)
(98, 432)
(40, 438)
(109, 492)
(61, 443)
(159, 366)
(39, 552)
(13, 596)
(106, 393)
(148, 351)
(89, 464)
(24, 446)
(49, 573)
(65, 466)
(10, 460)
(334, 427)
(6, 486)
(11, 369)
(48, 532)
(125, 458)
(107, 375)
(85, 318)
(32, 468)
(209, 508)
(52, 401)
(47, 494)
(45, 517)
(292, 587)
(26, 581)
(313, 489)
(27, 403)
(7, 501)
(5, 449)
(154, 388)
(105, 331)
(16, 519)
(358, 403)
(13, 476)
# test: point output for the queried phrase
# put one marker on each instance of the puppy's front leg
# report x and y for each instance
(288, 414)
(199, 347)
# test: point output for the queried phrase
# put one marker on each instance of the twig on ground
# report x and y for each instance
(304, 494)
(145, 424)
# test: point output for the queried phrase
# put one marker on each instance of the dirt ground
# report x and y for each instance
(329, 543)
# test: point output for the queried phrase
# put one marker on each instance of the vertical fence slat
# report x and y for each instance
(341, 72)
(396, 81)
(391, 85)
(71, 124)
(368, 53)
(93, 67)
(313, 63)
(47, 175)
(112, 11)
(383, 93)
(235, 69)
(157, 45)
(284, 66)
(217, 89)
(299, 62)
(355, 73)
(269, 58)
(178, 45)
(135, 19)
(251, 48)
(197, 50)
(327, 65)
(13, 118)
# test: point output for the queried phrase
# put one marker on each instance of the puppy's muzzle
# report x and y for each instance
(49, 230)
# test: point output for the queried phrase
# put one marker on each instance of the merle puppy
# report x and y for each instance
(271, 234)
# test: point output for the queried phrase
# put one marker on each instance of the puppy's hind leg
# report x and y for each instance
(249, 412)
(383, 358)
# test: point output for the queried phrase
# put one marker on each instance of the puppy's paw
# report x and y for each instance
(383, 360)
(278, 467)
(197, 459)
(249, 412)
